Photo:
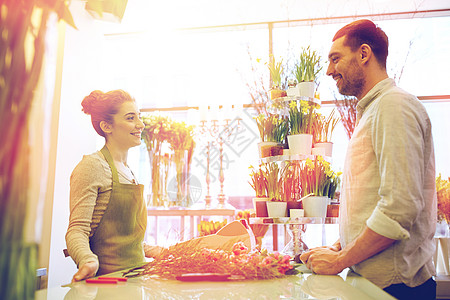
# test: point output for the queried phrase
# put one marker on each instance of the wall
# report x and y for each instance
(80, 75)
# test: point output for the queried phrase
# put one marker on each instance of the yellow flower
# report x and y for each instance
(292, 105)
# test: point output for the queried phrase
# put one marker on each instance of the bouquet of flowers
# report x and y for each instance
(156, 132)
(240, 262)
(181, 139)
(443, 198)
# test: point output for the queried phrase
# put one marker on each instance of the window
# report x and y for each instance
(212, 67)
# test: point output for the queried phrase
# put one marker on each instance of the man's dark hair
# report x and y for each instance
(365, 32)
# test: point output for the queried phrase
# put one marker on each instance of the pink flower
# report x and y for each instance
(285, 259)
(239, 248)
(267, 260)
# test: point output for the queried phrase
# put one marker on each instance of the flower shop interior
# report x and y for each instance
(205, 76)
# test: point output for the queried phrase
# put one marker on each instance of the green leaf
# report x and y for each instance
(95, 5)
(64, 14)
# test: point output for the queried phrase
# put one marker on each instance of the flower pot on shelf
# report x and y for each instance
(318, 151)
(293, 205)
(296, 213)
(306, 89)
(292, 92)
(300, 143)
(276, 209)
(333, 210)
(277, 93)
(267, 149)
(260, 205)
(315, 206)
(326, 146)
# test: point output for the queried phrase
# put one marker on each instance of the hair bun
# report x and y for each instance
(89, 101)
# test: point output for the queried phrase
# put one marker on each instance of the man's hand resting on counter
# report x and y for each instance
(332, 260)
(87, 270)
(323, 260)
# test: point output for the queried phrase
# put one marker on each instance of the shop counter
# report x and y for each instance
(346, 286)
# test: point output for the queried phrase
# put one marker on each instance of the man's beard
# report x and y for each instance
(354, 81)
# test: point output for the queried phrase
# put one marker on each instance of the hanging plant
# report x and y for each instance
(23, 27)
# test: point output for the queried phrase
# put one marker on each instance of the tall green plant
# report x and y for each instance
(276, 71)
(308, 66)
(323, 127)
(274, 177)
(300, 117)
(318, 178)
(258, 181)
(21, 33)
(272, 128)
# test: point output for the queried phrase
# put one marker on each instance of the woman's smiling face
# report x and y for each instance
(127, 125)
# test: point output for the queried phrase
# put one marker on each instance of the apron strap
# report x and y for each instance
(110, 161)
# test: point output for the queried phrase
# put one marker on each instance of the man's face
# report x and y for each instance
(345, 69)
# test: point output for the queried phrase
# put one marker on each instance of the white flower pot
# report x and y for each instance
(318, 151)
(276, 209)
(327, 148)
(300, 144)
(306, 89)
(292, 92)
(315, 206)
(296, 213)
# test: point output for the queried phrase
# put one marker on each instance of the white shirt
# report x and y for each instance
(389, 186)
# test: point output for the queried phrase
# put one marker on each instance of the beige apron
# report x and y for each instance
(118, 240)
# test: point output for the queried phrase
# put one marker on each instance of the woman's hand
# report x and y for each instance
(85, 271)
(152, 251)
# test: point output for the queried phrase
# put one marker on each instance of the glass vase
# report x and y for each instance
(179, 184)
(157, 180)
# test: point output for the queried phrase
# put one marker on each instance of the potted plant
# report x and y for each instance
(300, 121)
(322, 131)
(258, 182)
(276, 207)
(276, 72)
(316, 179)
(24, 26)
(306, 71)
(273, 130)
